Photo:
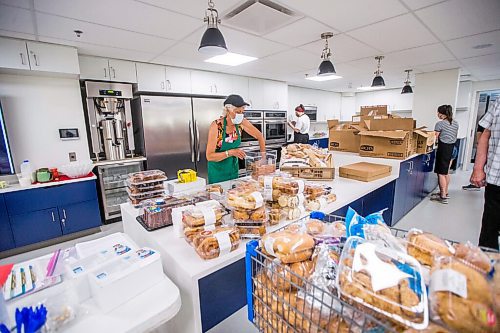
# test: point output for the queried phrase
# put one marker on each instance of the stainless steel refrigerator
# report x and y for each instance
(173, 131)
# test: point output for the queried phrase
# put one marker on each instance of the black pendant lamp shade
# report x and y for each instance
(212, 42)
(378, 80)
(407, 88)
(326, 67)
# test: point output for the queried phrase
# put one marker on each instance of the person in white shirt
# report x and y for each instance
(301, 126)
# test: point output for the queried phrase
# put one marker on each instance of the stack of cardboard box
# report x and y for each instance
(374, 133)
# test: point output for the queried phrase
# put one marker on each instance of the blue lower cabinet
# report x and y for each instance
(401, 192)
(80, 216)
(35, 227)
(321, 143)
(6, 237)
(379, 199)
(222, 293)
(430, 178)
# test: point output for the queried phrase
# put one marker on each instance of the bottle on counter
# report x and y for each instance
(26, 170)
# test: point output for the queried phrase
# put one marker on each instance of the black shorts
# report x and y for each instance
(443, 158)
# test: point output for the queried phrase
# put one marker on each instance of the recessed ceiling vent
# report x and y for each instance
(260, 17)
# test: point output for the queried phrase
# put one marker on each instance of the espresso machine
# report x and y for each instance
(109, 117)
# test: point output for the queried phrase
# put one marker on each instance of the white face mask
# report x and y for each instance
(238, 118)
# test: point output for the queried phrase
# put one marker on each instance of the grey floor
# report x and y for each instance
(460, 220)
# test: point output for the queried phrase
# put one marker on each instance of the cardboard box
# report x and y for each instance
(390, 124)
(365, 172)
(386, 144)
(423, 141)
(361, 119)
(373, 110)
(343, 136)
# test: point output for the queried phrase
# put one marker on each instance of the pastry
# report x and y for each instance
(287, 246)
(240, 214)
(200, 216)
(208, 243)
(251, 231)
(238, 198)
(315, 227)
(312, 205)
(423, 246)
(473, 255)
(191, 233)
(215, 188)
(275, 216)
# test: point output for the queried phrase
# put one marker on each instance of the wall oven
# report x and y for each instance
(312, 112)
(256, 118)
(275, 127)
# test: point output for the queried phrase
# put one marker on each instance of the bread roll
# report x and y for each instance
(287, 246)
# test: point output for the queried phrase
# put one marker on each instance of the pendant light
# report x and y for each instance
(326, 66)
(407, 88)
(378, 80)
(212, 42)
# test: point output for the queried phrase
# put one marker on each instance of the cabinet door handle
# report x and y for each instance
(53, 217)
(22, 58)
(211, 88)
(215, 88)
(169, 86)
(105, 74)
(162, 85)
(64, 213)
(36, 58)
(114, 73)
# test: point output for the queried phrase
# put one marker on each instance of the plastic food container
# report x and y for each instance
(249, 215)
(276, 215)
(216, 243)
(251, 230)
(191, 232)
(259, 165)
(203, 216)
(143, 177)
(158, 214)
(384, 280)
(283, 184)
(244, 198)
(144, 189)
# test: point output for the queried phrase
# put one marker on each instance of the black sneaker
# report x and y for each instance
(471, 187)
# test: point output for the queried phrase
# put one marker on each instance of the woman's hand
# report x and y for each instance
(237, 153)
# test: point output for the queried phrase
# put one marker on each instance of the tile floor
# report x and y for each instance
(459, 220)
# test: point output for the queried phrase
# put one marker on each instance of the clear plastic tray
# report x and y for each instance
(244, 198)
(146, 185)
(216, 243)
(384, 280)
(203, 215)
(159, 214)
(282, 184)
(144, 177)
(138, 190)
(259, 165)
(146, 194)
(249, 215)
(250, 231)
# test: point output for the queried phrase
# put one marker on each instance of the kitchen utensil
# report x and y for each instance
(43, 175)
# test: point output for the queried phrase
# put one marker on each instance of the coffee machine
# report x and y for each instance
(109, 118)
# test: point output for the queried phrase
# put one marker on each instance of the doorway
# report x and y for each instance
(486, 99)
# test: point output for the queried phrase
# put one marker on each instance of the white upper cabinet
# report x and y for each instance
(35, 56)
(122, 71)
(177, 80)
(150, 77)
(205, 83)
(13, 54)
(267, 94)
(238, 86)
(53, 58)
(96, 68)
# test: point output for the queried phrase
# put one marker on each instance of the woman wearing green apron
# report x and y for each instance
(224, 139)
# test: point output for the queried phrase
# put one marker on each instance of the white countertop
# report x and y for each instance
(17, 187)
(347, 191)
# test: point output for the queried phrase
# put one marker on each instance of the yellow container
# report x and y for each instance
(186, 176)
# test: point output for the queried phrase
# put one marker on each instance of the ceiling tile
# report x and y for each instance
(417, 4)
(194, 9)
(438, 66)
(241, 42)
(347, 15)
(62, 28)
(483, 65)
(16, 20)
(464, 47)
(124, 14)
(17, 3)
(343, 47)
(417, 56)
(14, 34)
(398, 33)
(459, 18)
(300, 32)
(290, 61)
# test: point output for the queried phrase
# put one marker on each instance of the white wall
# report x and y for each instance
(328, 102)
(432, 90)
(348, 106)
(35, 108)
(393, 98)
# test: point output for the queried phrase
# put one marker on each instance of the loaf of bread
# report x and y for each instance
(289, 247)
(473, 255)
(424, 246)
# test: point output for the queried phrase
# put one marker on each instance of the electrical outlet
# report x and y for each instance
(72, 156)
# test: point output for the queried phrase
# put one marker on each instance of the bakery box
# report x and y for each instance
(424, 141)
(386, 144)
(343, 136)
(373, 110)
(365, 172)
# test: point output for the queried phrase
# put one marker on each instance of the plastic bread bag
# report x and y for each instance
(201, 215)
(461, 297)
(384, 280)
(289, 277)
(424, 246)
(474, 256)
(288, 247)
(215, 243)
(371, 227)
(62, 310)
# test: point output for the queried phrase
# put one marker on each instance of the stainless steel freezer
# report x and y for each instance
(173, 131)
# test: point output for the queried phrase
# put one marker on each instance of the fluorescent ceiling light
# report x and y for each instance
(230, 59)
(371, 88)
(323, 78)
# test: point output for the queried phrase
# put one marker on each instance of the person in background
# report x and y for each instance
(224, 139)
(447, 131)
(487, 173)
(472, 187)
(301, 127)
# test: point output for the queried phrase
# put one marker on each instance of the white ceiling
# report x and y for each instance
(424, 35)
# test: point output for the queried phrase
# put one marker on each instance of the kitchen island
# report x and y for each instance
(212, 290)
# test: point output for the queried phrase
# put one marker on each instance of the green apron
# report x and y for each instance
(226, 169)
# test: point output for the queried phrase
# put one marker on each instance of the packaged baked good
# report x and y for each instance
(424, 246)
(473, 255)
(215, 188)
(387, 281)
(461, 297)
(158, 213)
(288, 247)
(276, 215)
(191, 232)
(259, 164)
(203, 215)
(144, 177)
(137, 198)
(283, 184)
(249, 215)
(210, 244)
(290, 277)
(314, 191)
(294, 213)
(245, 198)
(251, 230)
